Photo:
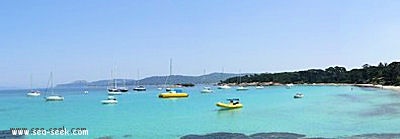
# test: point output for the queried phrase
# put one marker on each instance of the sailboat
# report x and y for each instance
(113, 89)
(33, 93)
(53, 97)
(206, 89)
(124, 88)
(138, 86)
(241, 88)
(172, 92)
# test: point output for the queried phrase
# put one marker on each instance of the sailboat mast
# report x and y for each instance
(138, 78)
(170, 66)
(31, 81)
(51, 82)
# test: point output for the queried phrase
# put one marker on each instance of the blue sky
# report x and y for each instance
(85, 39)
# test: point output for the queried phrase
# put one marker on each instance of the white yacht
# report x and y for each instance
(110, 100)
(207, 90)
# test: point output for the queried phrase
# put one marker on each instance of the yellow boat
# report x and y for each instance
(172, 95)
(229, 105)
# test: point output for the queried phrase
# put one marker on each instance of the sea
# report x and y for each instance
(324, 111)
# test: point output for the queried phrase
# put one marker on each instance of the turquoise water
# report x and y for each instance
(327, 111)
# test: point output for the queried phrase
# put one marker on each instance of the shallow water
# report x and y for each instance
(325, 111)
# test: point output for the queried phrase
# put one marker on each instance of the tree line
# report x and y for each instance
(384, 74)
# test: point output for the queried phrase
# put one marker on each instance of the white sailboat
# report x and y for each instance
(138, 86)
(33, 93)
(172, 92)
(53, 97)
(206, 89)
(241, 88)
(113, 89)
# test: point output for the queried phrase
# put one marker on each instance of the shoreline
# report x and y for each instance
(386, 87)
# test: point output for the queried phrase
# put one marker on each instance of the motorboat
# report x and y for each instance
(139, 88)
(207, 90)
(110, 100)
(298, 95)
(233, 104)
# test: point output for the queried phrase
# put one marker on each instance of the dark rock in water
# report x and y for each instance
(6, 134)
(317, 138)
(105, 137)
(276, 135)
(219, 135)
(376, 136)
(127, 136)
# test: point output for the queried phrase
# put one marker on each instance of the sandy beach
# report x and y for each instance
(394, 88)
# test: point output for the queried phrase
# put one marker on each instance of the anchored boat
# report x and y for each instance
(233, 104)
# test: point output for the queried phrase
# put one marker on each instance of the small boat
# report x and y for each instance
(110, 100)
(233, 104)
(33, 93)
(298, 95)
(288, 86)
(53, 97)
(139, 88)
(86, 92)
(259, 87)
(207, 90)
(224, 87)
(242, 88)
(173, 93)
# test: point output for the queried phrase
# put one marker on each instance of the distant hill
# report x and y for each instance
(157, 80)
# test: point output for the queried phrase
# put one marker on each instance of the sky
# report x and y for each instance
(86, 39)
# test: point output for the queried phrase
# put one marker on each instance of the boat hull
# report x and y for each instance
(114, 93)
(33, 94)
(54, 98)
(109, 102)
(139, 89)
(207, 91)
(242, 89)
(173, 95)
